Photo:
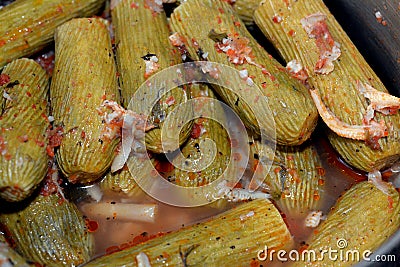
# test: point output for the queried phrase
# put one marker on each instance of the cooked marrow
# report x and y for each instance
(233, 238)
(340, 77)
(24, 122)
(84, 77)
(142, 50)
(26, 26)
(50, 231)
(220, 34)
(362, 219)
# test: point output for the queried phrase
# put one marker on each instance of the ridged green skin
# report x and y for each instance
(23, 123)
(140, 31)
(122, 181)
(289, 101)
(245, 9)
(223, 241)
(338, 89)
(84, 76)
(23, 33)
(296, 178)
(194, 151)
(50, 231)
(364, 216)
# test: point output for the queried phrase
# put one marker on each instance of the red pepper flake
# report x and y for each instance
(316, 196)
(196, 131)
(219, 20)
(286, 2)
(44, 116)
(4, 78)
(303, 248)
(83, 134)
(28, 94)
(54, 139)
(316, 27)
(40, 143)
(237, 23)
(237, 49)
(50, 152)
(291, 32)
(277, 170)
(91, 226)
(33, 106)
(277, 19)
(321, 181)
(321, 171)
(134, 5)
(103, 97)
(221, 10)
(195, 43)
(289, 157)
(390, 203)
(2, 42)
(170, 100)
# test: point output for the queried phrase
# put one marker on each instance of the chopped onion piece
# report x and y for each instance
(95, 192)
(142, 260)
(314, 218)
(375, 178)
(121, 211)
(239, 194)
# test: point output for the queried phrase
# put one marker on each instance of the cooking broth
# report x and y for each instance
(113, 233)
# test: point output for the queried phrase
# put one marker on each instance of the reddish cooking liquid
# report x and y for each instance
(112, 233)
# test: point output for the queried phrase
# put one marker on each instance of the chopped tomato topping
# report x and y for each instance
(4, 78)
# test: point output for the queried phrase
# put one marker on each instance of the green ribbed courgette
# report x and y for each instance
(296, 178)
(26, 26)
(123, 181)
(49, 231)
(340, 87)
(233, 238)
(84, 77)
(245, 9)
(143, 49)
(362, 219)
(211, 29)
(196, 151)
(23, 122)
